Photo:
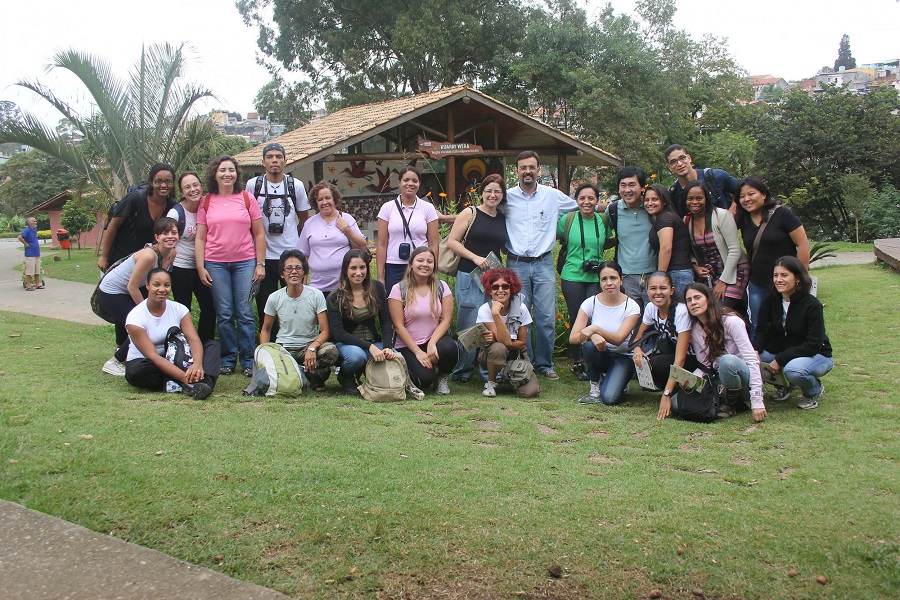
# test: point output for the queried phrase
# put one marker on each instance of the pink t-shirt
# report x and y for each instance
(417, 318)
(418, 216)
(325, 246)
(228, 237)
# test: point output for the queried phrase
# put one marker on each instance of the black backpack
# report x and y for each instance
(142, 186)
(288, 196)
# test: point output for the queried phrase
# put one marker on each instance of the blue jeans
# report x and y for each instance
(619, 369)
(468, 300)
(353, 358)
(231, 292)
(539, 288)
(681, 278)
(755, 296)
(804, 371)
(735, 374)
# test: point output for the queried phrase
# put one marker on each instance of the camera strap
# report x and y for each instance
(406, 231)
(596, 229)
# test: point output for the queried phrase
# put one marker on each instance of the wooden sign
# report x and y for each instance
(437, 150)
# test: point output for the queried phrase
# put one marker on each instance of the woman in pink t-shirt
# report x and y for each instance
(230, 248)
(421, 307)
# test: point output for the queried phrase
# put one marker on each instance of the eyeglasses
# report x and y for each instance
(293, 268)
(166, 182)
(500, 286)
(675, 161)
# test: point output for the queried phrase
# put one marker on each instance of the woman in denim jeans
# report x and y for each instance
(791, 335)
(603, 327)
(487, 234)
(230, 248)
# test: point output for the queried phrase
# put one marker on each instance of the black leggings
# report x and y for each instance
(660, 363)
(185, 284)
(576, 292)
(448, 356)
(142, 373)
(118, 306)
(268, 286)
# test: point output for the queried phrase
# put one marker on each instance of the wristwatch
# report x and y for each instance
(667, 393)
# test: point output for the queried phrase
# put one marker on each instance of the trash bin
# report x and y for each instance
(62, 235)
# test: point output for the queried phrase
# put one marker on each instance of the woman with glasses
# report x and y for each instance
(506, 318)
(131, 219)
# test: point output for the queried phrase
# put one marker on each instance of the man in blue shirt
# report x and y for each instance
(32, 255)
(719, 183)
(632, 224)
(531, 213)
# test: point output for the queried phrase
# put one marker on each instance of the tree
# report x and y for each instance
(384, 50)
(290, 105)
(29, 178)
(880, 216)
(845, 57)
(856, 189)
(77, 218)
(217, 145)
(135, 123)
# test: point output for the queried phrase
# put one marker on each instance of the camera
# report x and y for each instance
(404, 251)
(591, 266)
(276, 219)
(276, 227)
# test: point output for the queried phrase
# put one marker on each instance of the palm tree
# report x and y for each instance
(133, 124)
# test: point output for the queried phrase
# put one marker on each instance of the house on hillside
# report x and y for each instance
(765, 86)
(854, 80)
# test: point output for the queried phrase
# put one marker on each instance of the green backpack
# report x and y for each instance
(275, 373)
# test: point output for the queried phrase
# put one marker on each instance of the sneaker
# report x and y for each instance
(579, 371)
(415, 392)
(199, 391)
(443, 386)
(550, 374)
(594, 396)
(781, 393)
(812, 402)
(114, 367)
(173, 387)
(489, 390)
(226, 370)
(248, 371)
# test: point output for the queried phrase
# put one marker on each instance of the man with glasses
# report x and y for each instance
(531, 213)
(719, 183)
(632, 224)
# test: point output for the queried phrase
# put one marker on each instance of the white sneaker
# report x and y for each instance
(173, 387)
(114, 367)
(414, 392)
(443, 386)
(489, 390)
(593, 397)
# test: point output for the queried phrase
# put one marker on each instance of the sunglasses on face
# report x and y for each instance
(500, 286)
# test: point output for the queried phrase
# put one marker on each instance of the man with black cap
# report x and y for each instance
(285, 208)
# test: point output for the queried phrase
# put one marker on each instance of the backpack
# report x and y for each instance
(142, 186)
(275, 373)
(95, 300)
(290, 192)
(700, 406)
(387, 381)
(179, 209)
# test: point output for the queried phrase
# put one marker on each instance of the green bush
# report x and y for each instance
(880, 215)
(44, 234)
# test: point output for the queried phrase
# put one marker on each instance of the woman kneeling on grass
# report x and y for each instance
(421, 308)
(720, 341)
(604, 327)
(506, 318)
(790, 335)
(669, 320)
(149, 326)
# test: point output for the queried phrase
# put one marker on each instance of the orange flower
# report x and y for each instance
(653, 176)
(442, 195)
(428, 194)
(559, 316)
(567, 325)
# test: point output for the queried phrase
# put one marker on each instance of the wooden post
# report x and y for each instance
(563, 176)
(450, 175)
(318, 172)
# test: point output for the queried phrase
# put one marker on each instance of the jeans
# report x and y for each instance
(804, 371)
(576, 292)
(234, 314)
(681, 278)
(539, 288)
(735, 374)
(619, 368)
(755, 296)
(393, 274)
(468, 300)
(353, 358)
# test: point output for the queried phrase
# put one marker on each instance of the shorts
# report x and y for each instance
(32, 265)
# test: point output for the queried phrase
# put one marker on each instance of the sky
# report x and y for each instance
(785, 38)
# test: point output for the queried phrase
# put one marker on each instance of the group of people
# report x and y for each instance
(680, 270)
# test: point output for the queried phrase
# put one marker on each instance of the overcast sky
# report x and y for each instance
(780, 37)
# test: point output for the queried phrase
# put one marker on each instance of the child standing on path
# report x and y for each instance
(29, 237)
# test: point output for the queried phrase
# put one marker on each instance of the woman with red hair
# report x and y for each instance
(506, 318)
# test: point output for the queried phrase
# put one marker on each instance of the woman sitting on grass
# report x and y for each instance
(506, 318)
(150, 325)
(669, 320)
(421, 308)
(603, 327)
(720, 342)
(791, 336)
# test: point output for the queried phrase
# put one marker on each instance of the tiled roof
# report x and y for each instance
(763, 79)
(354, 124)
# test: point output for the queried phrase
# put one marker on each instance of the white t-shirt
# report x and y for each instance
(485, 316)
(298, 322)
(682, 318)
(156, 327)
(184, 250)
(276, 243)
(610, 318)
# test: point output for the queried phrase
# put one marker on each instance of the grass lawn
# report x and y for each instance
(81, 267)
(852, 247)
(464, 496)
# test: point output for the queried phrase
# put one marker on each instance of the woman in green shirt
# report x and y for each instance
(583, 233)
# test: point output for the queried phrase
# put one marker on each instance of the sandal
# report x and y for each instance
(29, 289)
(40, 287)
